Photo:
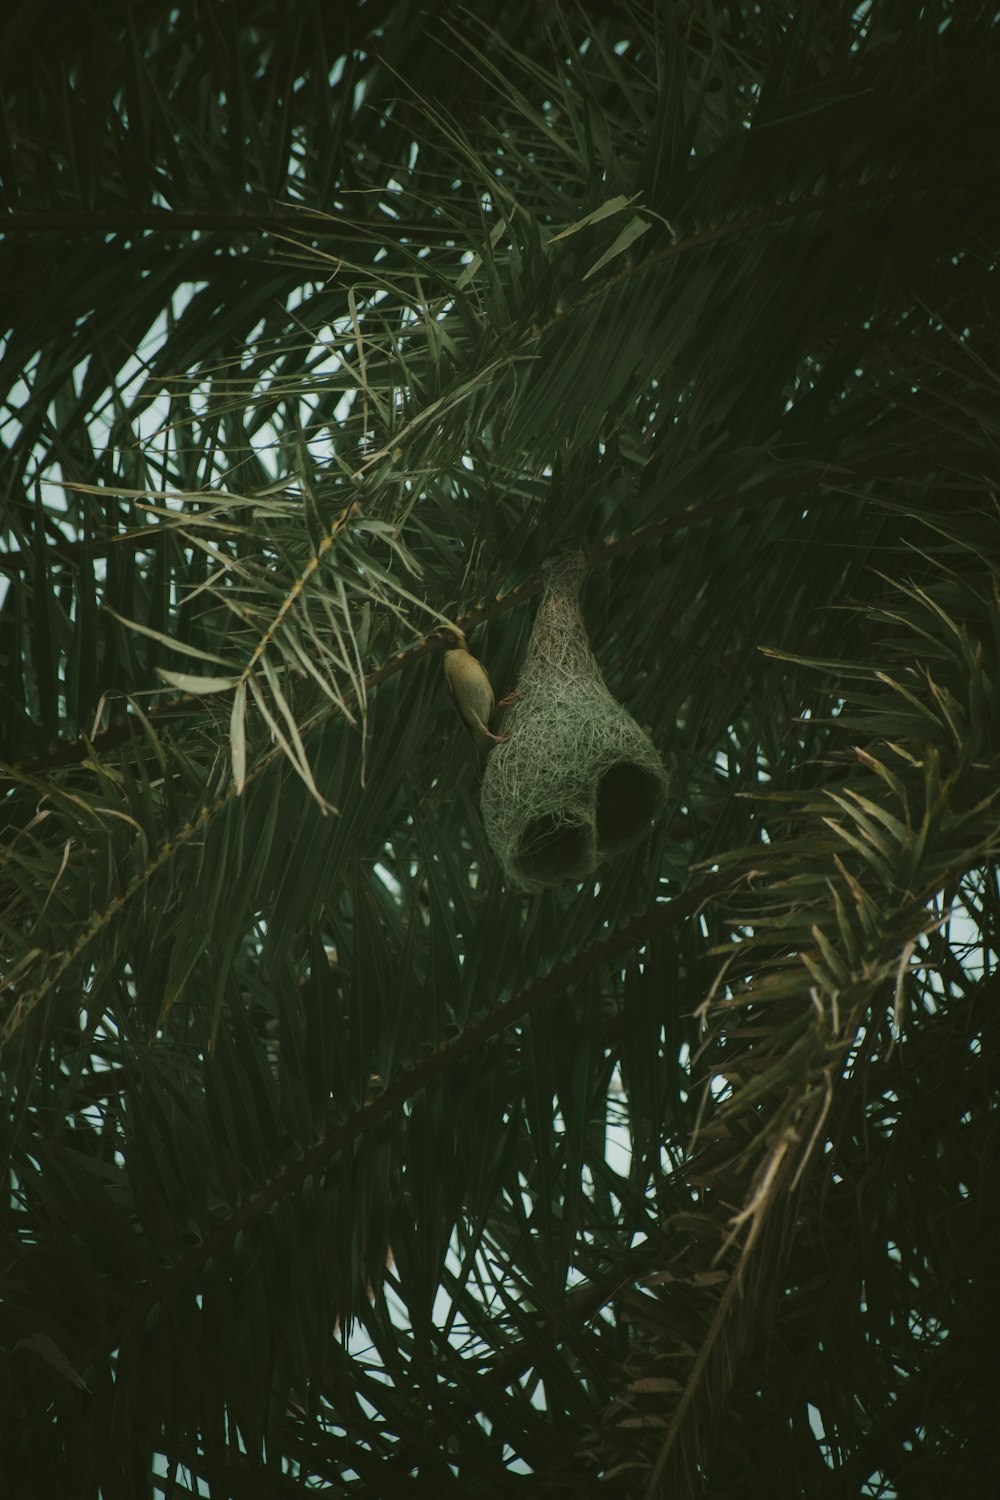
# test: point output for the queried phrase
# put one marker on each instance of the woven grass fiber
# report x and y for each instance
(578, 781)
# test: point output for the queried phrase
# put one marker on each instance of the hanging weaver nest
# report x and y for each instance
(578, 780)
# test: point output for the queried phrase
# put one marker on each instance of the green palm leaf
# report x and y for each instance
(333, 1162)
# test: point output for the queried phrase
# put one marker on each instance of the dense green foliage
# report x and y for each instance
(332, 1163)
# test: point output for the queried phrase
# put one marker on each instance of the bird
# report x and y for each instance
(472, 694)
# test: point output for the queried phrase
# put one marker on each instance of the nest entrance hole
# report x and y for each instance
(628, 798)
(552, 850)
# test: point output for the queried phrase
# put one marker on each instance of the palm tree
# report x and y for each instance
(335, 1161)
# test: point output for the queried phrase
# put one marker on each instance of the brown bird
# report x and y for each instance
(472, 694)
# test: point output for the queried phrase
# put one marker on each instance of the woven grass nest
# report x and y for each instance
(578, 781)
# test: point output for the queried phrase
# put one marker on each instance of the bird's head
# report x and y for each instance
(455, 640)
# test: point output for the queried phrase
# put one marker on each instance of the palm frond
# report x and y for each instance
(332, 1161)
